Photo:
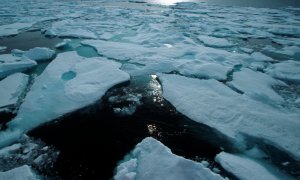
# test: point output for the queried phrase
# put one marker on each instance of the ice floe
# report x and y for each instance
(69, 82)
(141, 163)
(10, 64)
(287, 70)
(11, 88)
(245, 168)
(40, 54)
(13, 29)
(20, 173)
(204, 70)
(2, 48)
(215, 42)
(256, 85)
(236, 116)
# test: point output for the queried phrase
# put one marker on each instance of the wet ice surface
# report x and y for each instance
(252, 54)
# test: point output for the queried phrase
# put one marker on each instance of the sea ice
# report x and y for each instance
(2, 48)
(69, 82)
(10, 64)
(287, 70)
(13, 29)
(234, 115)
(20, 173)
(204, 70)
(40, 54)
(256, 85)
(11, 88)
(215, 42)
(141, 163)
(245, 168)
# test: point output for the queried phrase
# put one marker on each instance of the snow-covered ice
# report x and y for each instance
(20, 173)
(205, 70)
(215, 42)
(256, 85)
(245, 168)
(69, 82)
(234, 115)
(40, 54)
(150, 159)
(13, 29)
(287, 70)
(11, 88)
(10, 64)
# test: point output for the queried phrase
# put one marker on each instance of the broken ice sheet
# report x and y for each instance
(69, 82)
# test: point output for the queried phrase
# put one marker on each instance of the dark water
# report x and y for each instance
(27, 40)
(93, 140)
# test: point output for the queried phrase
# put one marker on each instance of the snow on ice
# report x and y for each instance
(141, 163)
(69, 82)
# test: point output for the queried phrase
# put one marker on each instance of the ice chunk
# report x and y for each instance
(20, 173)
(10, 64)
(204, 70)
(13, 29)
(214, 104)
(283, 53)
(72, 33)
(141, 163)
(117, 50)
(69, 82)
(63, 44)
(2, 48)
(245, 168)
(215, 42)
(287, 70)
(11, 88)
(258, 56)
(256, 85)
(40, 54)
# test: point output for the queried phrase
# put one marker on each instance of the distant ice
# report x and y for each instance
(287, 70)
(215, 42)
(286, 52)
(13, 29)
(245, 168)
(69, 28)
(21, 173)
(40, 54)
(69, 82)
(10, 64)
(234, 115)
(257, 85)
(150, 159)
(11, 88)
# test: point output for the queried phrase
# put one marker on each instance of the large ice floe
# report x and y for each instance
(10, 64)
(20, 173)
(245, 168)
(287, 70)
(11, 89)
(256, 85)
(150, 159)
(234, 115)
(69, 82)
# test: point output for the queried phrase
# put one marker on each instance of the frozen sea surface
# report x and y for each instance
(239, 57)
